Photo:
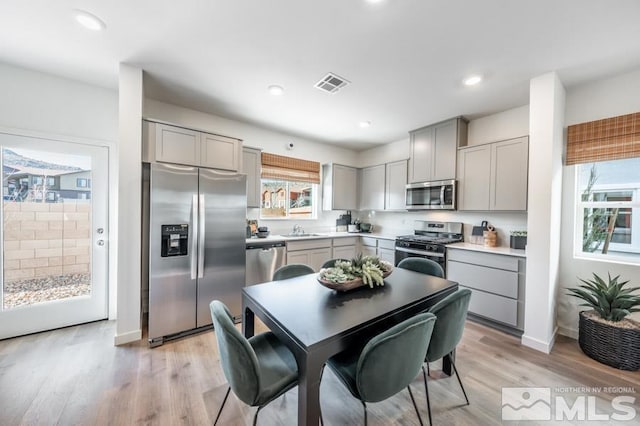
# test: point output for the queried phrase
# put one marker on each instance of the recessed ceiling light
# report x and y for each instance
(89, 21)
(276, 90)
(364, 124)
(472, 80)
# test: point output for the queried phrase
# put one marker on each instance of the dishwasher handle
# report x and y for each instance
(265, 246)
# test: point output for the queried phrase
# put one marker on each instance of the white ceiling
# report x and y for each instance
(405, 58)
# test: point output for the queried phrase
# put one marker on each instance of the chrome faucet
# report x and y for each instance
(297, 230)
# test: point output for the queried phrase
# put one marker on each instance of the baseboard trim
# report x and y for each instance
(132, 336)
(538, 344)
(569, 332)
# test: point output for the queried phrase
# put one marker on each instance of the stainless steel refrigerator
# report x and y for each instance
(197, 231)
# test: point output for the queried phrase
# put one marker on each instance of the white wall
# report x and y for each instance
(610, 97)
(39, 104)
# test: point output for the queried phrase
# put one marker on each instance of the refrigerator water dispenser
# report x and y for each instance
(174, 240)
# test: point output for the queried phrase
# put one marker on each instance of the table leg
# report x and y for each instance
(248, 323)
(309, 369)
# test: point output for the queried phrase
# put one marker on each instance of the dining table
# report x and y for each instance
(315, 322)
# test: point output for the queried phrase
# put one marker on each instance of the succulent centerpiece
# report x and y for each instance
(359, 271)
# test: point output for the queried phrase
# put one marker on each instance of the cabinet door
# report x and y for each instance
(421, 155)
(318, 256)
(372, 186)
(344, 252)
(345, 181)
(445, 147)
(251, 163)
(396, 181)
(177, 145)
(474, 178)
(298, 257)
(219, 152)
(387, 254)
(509, 174)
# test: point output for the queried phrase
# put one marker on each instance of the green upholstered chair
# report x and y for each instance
(422, 265)
(451, 313)
(259, 369)
(290, 271)
(332, 262)
(387, 364)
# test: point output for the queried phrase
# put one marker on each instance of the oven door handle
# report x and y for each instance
(420, 252)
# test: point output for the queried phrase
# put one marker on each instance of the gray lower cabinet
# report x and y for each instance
(251, 166)
(387, 250)
(344, 248)
(339, 187)
(309, 252)
(497, 283)
(494, 176)
(368, 246)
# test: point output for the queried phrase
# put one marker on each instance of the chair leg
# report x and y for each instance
(222, 406)
(426, 391)
(458, 376)
(365, 412)
(255, 416)
(415, 405)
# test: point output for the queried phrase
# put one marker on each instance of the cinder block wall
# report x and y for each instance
(42, 239)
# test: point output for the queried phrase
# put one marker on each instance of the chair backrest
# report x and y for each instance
(290, 271)
(452, 313)
(392, 359)
(332, 262)
(238, 359)
(422, 265)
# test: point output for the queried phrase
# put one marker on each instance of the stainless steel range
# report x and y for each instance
(429, 241)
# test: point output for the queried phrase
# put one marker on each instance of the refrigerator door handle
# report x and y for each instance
(194, 235)
(201, 239)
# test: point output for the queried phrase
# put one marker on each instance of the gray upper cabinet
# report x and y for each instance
(396, 181)
(433, 150)
(339, 187)
(251, 166)
(173, 144)
(372, 188)
(494, 176)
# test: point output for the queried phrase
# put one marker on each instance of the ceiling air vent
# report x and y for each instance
(331, 83)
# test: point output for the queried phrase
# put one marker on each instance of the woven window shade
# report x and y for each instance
(287, 168)
(613, 138)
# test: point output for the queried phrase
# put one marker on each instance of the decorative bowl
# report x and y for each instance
(347, 285)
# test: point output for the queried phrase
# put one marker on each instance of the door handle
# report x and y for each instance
(201, 222)
(442, 195)
(194, 235)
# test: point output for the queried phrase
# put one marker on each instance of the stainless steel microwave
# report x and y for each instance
(438, 195)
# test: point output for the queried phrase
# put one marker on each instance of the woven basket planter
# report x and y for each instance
(615, 346)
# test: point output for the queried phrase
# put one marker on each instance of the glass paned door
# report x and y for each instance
(54, 234)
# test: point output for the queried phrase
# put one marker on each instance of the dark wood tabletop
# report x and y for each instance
(317, 323)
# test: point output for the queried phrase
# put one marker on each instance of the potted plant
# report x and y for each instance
(604, 333)
(518, 240)
(349, 274)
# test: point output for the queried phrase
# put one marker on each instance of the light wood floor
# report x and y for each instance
(75, 376)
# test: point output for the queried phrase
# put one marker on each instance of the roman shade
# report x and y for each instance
(612, 138)
(288, 168)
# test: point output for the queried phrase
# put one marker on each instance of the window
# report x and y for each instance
(288, 187)
(51, 181)
(281, 199)
(608, 214)
(37, 180)
(82, 183)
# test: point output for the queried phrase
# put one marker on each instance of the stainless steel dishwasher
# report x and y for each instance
(263, 258)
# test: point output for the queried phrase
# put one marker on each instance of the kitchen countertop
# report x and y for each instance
(494, 250)
(276, 238)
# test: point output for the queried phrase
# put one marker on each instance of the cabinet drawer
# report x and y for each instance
(386, 244)
(369, 241)
(509, 263)
(494, 307)
(308, 244)
(346, 241)
(497, 281)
